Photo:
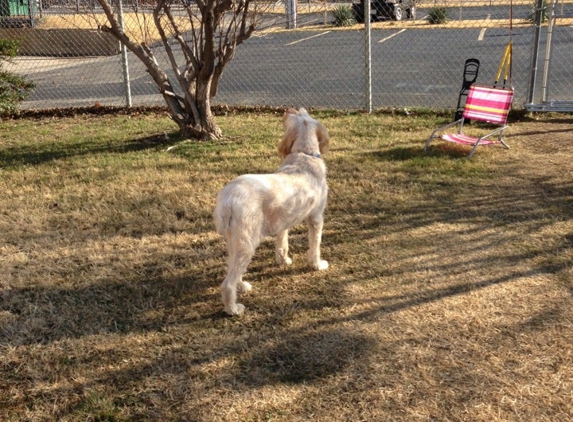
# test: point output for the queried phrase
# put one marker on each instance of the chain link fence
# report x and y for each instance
(412, 62)
(550, 86)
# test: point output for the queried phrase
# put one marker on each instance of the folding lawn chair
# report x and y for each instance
(483, 104)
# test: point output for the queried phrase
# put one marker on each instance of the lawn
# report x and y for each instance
(448, 297)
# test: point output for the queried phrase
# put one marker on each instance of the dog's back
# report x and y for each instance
(239, 211)
(260, 205)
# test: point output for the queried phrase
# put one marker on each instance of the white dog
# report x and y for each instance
(254, 206)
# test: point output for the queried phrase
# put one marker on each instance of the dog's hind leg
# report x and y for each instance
(314, 239)
(240, 253)
(281, 248)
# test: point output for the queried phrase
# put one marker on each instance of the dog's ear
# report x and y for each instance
(288, 112)
(290, 121)
(285, 146)
(323, 138)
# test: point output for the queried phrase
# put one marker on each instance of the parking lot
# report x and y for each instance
(413, 64)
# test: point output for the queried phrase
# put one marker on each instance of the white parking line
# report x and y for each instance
(482, 32)
(390, 36)
(307, 38)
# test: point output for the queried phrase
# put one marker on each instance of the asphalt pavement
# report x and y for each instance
(322, 67)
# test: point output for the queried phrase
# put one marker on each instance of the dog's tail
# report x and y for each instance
(223, 215)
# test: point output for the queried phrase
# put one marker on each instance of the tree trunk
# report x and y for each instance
(207, 129)
(197, 123)
(196, 120)
(214, 37)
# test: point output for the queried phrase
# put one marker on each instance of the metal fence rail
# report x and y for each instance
(413, 63)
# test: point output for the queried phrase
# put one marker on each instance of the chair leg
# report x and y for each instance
(473, 149)
(430, 140)
(459, 122)
(428, 143)
(502, 141)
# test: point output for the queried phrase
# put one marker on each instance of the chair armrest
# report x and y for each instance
(500, 129)
(457, 122)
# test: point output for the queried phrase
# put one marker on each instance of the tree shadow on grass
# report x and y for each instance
(437, 150)
(42, 315)
(301, 357)
(168, 288)
(38, 154)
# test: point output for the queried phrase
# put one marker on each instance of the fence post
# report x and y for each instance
(368, 54)
(32, 12)
(124, 62)
(547, 62)
(290, 6)
(535, 54)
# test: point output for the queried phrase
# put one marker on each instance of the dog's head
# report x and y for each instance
(302, 134)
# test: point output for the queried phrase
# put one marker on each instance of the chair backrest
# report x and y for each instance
(488, 104)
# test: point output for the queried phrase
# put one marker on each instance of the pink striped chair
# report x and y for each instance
(483, 104)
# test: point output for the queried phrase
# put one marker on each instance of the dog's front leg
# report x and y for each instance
(314, 239)
(281, 248)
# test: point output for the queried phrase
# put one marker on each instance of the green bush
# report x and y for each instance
(531, 16)
(438, 14)
(13, 88)
(343, 16)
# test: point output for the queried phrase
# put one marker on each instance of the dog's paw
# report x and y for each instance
(236, 309)
(244, 287)
(284, 260)
(320, 265)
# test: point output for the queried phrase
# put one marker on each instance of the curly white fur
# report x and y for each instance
(254, 206)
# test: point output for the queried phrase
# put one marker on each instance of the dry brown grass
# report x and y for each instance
(448, 297)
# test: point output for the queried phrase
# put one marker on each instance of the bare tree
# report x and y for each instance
(207, 32)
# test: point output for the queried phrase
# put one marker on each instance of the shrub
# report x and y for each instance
(13, 88)
(438, 14)
(531, 16)
(343, 16)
